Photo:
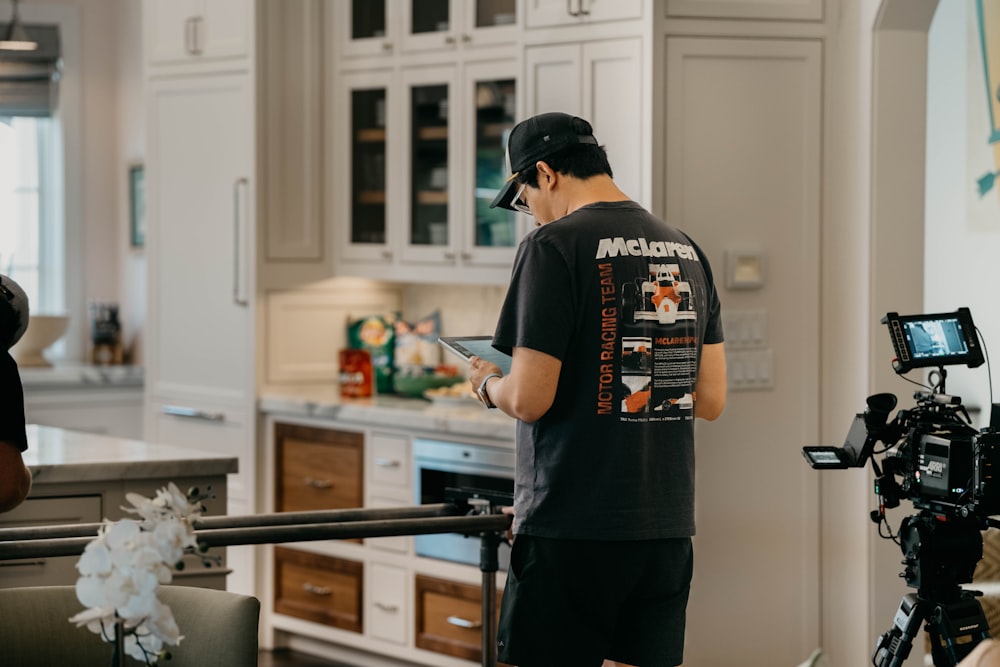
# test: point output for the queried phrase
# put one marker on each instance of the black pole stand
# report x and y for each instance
(469, 511)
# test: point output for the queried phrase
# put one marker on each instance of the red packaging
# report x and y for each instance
(355, 373)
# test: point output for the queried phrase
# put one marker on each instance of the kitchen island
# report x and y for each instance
(82, 477)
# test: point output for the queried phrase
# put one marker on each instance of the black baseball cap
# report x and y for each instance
(536, 138)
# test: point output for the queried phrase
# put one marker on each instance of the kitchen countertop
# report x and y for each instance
(463, 417)
(78, 375)
(58, 455)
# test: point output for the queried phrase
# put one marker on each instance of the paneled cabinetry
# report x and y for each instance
(548, 13)
(210, 254)
(426, 143)
(187, 31)
(373, 596)
(387, 27)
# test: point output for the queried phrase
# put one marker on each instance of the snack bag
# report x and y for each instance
(417, 344)
(377, 335)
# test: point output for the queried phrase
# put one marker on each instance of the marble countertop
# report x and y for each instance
(58, 455)
(79, 376)
(458, 417)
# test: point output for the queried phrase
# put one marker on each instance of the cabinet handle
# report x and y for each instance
(460, 622)
(569, 8)
(390, 608)
(312, 589)
(449, 40)
(466, 38)
(189, 35)
(191, 413)
(467, 256)
(23, 563)
(239, 296)
(387, 254)
(317, 483)
(583, 11)
(387, 46)
(450, 256)
(386, 463)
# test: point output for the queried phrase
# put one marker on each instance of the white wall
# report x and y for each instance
(962, 229)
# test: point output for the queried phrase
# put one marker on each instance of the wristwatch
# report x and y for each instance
(484, 395)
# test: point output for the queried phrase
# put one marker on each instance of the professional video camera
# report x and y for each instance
(933, 457)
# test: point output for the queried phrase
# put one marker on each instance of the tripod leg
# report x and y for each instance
(894, 646)
(956, 629)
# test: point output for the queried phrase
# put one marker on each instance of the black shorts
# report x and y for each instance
(577, 602)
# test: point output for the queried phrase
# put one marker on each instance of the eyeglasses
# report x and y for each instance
(518, 204)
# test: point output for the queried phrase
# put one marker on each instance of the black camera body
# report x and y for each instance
(932, 455)
(942, 464)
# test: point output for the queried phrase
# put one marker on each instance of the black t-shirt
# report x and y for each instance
(626, 302)
(11, 403)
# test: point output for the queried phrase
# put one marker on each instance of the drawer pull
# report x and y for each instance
(318, 483)
(322, 591)
(386, 463)
(390, 608)
(460, 622)
(191, 413)
(24, 563)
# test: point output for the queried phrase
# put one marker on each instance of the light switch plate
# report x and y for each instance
(744, 269)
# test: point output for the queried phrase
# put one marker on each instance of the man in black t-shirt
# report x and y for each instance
(614, 325)
(15, 479)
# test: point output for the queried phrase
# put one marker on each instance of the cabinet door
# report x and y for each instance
(179, 31)
(489, 236)
(366, 27)
(321, 589)
(365, 139)
(200, 207)
(747, 9)
(430, 125)
(544, 13)
(601, 81)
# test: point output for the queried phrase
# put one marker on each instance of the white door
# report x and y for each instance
(201, 159)
(743, 173)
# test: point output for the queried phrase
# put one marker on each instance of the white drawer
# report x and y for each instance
(385, 613)
(390, 460)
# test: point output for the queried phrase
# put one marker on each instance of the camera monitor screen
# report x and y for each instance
(943, 339)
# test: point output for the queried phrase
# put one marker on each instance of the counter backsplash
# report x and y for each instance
(306, 328)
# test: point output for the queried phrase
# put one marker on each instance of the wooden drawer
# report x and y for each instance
(318, 469)
(449, 617)
(318, 588)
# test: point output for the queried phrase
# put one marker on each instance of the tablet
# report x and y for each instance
(466, 347)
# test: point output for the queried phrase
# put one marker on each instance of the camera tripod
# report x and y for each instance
(940, 553)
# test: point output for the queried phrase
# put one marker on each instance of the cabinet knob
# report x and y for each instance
(313, 589)
(449, 39)
(466, 256)
(387, 254)
(387, 46)
(450, 256)
(466, 38)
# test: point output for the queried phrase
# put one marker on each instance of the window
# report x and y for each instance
(31, 228)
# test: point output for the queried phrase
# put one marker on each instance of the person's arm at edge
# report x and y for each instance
(710, 389)
(15, 478)
(527, 392)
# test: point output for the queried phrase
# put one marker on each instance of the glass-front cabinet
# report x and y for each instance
(426, 150)
(383, 27)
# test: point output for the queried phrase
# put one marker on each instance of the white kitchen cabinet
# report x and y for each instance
(197, 31)
(386, 608)
(549, 13)
(201, 245)
(200, 181)
(801, 10)
(427, 148)
(366, 28)
(601, 81)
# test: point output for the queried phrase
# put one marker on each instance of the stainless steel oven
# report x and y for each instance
(437, 465)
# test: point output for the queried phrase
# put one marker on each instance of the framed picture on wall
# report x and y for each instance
(137, 205)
